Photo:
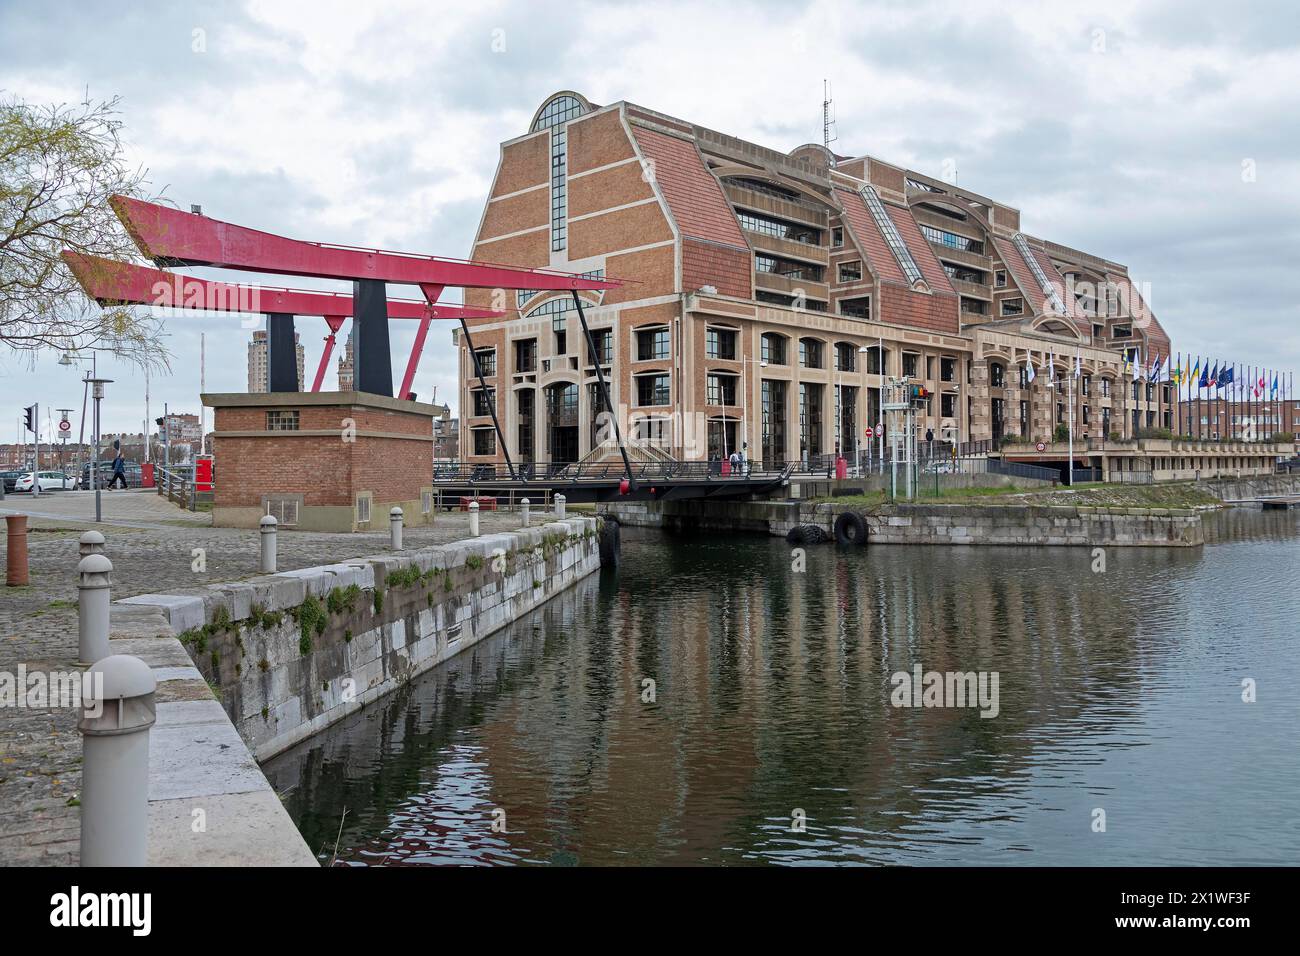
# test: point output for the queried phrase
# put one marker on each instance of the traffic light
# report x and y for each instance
(30, 412)
(920, 395)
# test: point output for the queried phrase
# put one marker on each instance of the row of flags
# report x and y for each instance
(1201, 375)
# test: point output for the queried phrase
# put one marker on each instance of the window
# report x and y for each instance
(1122, 332)
(282, 420)
(810, 353)
(948, 405)
(1000, 278)
(651, 344)
(1013, 306)
(837, 237)
(554, 116)
(484, 400)
(787, 268)
(845, 357)
(859, 308)
(948, 369)
(974, 306)
(526, 355)
(487, 361)
(426, 501)
(910, 362)
(485, 441)
(1098, 331)
(721, 389)
(952, 239)
(773, 348)
(779, 228)
(965, 273)
(997, 375)
(363, 509)
(652, 390)
(283, 508)
(851, 271)
(603, 339)
(720, 343)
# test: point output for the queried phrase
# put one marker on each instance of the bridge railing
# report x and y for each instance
(466, 473)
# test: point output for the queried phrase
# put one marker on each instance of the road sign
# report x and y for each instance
(1040, 447)
(880, 430)
(65, 426)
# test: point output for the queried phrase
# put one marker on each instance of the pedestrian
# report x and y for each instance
(119, 471)
(929, 441)
(734, 459)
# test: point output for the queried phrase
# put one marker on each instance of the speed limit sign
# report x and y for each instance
(880, 430)
(65, 426)
(1040, 447)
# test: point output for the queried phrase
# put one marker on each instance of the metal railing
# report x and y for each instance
(179, 487)
(465, 473)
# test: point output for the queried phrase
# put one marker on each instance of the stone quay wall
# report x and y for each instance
(933, 523)
(289, 654)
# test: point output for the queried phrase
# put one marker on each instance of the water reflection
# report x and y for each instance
(1118, 690)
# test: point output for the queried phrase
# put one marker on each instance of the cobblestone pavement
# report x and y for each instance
(151, 544)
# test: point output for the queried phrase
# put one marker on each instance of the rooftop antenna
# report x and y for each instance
(828, 121)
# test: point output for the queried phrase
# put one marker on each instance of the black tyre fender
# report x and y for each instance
(795, 535)
(850, 530)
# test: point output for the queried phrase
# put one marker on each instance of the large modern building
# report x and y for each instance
(768, 296)
(258, 351)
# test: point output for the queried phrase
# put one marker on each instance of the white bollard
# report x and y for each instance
(395, 528)
(524, 504)
(559, 506)
(473, 519)
(115, 722)
(92, 542)
(92, 607)
(267, 527)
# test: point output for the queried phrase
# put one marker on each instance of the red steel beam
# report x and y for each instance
(110, 282)
(335, 322)
(171, 237)
(431, 293)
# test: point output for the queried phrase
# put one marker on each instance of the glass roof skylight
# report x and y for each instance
(890, 231)
(1049, 290)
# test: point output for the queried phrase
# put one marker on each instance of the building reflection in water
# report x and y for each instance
(772, 694)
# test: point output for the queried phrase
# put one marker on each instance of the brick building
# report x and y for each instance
(768, 296)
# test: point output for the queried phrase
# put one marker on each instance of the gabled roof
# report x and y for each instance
(694, 196)
(935, 274)
(872, 243)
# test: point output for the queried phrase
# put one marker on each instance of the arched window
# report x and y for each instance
(553, 116)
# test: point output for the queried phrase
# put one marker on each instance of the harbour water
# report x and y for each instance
(768, 733)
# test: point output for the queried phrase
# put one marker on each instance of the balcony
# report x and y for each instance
(961, 256)
(973, 289)
(788, 248)
(770, 282)
(774, 206)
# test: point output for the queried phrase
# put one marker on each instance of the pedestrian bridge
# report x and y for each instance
(608, 481)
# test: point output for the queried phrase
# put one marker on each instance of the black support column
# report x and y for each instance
(281, 353)
(370, 350)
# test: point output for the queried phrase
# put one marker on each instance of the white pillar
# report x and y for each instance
(473, 519)
(559, 506)
(395, 528)
(525, 504)
(92, 607)
(268, 528)
(118, 710)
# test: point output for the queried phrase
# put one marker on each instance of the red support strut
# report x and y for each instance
(335, 322)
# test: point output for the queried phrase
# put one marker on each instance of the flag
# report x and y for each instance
(1051, 375)
(1199, 374)
(1214, 377)
(1273, 392)
(1259, 386)
(1127, 362)
(1226, 377)
(1029, 368)
(1078, 365)
(1155, 369)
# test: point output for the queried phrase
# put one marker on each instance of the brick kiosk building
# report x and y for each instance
(352, 452)
(755, 281)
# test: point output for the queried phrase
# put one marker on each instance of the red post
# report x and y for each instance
(16, 575)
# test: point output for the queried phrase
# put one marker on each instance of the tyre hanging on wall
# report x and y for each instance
(610, 542)
(850, 530)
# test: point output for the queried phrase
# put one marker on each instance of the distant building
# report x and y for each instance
(345, 367)
(446, 439)
(258, 355)
(1212, 417)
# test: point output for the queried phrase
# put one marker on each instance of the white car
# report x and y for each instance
(50, 481)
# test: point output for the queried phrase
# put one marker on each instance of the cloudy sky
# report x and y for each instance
(1161, 135)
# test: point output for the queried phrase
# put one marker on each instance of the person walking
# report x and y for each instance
(119, 471)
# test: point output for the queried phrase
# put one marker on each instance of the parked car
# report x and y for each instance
(104, 474)
(49, 481)
(10, 478)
